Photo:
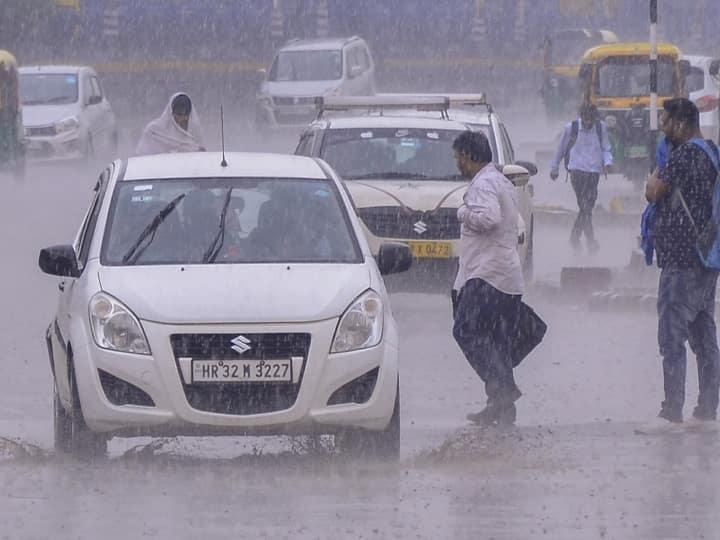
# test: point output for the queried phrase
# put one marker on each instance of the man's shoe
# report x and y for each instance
(494, 414)
(660, 426)
(593, 246)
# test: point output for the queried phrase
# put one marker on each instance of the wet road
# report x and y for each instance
(571, 469)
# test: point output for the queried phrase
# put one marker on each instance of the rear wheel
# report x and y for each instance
(383, 444)
(72, 436)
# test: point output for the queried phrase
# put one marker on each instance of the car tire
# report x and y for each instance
(384, 445)
(19, 168)
(528, 263)
(72, 436)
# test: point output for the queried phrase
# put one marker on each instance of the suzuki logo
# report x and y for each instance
(241, 345)
(420, 227)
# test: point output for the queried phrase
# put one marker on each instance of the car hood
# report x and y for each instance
(236, 293)
(43, 115)
(414, 194)
(300, 88)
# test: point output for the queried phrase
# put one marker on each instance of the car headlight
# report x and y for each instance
(611, 121)
(265, 100)
(68, 124)
(361, 325)
(115, 327)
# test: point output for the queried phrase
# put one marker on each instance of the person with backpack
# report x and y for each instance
(585, 150)
(688, 199)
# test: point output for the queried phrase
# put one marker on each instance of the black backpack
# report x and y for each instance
(573, 139)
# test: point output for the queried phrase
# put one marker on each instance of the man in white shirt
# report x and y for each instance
(586, 150)
(489, 284)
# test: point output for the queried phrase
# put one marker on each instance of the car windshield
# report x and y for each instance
(630, 76)
(48, 89)
(307, 66)
(266, 221)
(382, 153)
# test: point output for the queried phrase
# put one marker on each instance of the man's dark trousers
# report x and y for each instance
(585, 185)
(485, 322)
(686, 312)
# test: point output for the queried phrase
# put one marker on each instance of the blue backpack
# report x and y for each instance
(708, 238)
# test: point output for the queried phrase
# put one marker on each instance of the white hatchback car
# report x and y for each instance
(66, 114)
(703, 90)
(394, 152)
(201, 299)
(304, 70)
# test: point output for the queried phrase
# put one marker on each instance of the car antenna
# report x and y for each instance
(223, 163)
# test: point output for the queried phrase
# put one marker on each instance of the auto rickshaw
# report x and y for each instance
(12, 151)
(562, 54)
(616, 79)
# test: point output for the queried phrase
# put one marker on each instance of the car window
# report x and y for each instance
(630, 76)
(364, 57)
(306, 66)
(266, 221)
(695, 79)
(509, 151)
(48, 89)
(304, 147)
(96, 90)
(355, 59)
(383, 153)
(87, 230)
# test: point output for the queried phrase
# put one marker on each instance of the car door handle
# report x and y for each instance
(61, 286)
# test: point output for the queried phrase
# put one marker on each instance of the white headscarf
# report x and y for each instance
(164, 135)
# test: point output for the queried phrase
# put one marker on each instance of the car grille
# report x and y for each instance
(294, 100)
(241, 398)
(394, 222)
(41, 131)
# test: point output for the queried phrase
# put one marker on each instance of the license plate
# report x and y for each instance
(431, 250)
(638, 152)
(242, 370)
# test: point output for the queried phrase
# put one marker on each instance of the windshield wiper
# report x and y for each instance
(387, 175)
(133, 254)
(216, 245)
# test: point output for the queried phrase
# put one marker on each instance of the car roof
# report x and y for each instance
(207, 165)
(62, 70)
(698, 60)
(318, 44)
(408, 119)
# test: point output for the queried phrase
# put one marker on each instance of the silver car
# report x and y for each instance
(304, 70)
(66, 114)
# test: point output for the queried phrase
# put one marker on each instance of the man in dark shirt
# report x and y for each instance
(686, 292)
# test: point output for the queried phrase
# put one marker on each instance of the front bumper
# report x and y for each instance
(65, 146)
(159, 377)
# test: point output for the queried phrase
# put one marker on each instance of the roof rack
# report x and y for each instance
(455, 100)
(379, 103)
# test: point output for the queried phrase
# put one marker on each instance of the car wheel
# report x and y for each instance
(71, 433)
(528, 264)
(383, 444)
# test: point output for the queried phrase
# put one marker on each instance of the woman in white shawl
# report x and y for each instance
(176, 130)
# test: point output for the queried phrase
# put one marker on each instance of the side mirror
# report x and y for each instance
(94, 100)
(715, 67)
(394, 258)
(59, 261)
(529, 165)
(260, 75)
(585, 73)
(517, 174)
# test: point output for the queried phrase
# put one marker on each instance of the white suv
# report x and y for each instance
(394, 152)
(202, 299)
(304, 70)
(66, 114)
